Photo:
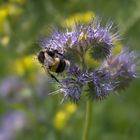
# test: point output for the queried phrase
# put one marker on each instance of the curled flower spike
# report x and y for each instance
(71, 89)
(80, 39)
(102, 39)
(95, 37)
(102, 83)
(98, 82)
(74, 71)
(58, 41)
(123, 67)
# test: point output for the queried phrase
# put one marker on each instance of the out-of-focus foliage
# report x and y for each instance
(24, 85)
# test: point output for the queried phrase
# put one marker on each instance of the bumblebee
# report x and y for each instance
(53, 61)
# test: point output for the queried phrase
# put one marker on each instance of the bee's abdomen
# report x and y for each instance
(61, 66)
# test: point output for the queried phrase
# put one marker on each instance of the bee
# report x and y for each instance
(53, 61)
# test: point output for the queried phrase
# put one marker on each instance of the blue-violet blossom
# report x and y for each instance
(115, 72)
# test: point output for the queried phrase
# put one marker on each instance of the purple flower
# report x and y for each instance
(81, 37)
(102, 83)
(11, 84)
(98, 40)
(58, 41)
(123, 67)
(70, 88)
(12, 123)
(74, 71)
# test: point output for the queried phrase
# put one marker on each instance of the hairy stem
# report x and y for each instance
(88, 120)
(88, 113)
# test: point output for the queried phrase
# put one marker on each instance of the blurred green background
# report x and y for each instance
(26, 112)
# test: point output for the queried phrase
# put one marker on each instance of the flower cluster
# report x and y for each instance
(115, 72)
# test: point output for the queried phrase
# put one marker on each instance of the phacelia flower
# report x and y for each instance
(58, 41)
(99, 39)
(115, 72)
(102, 83)
(81, 37)
(123, 67)
(71, 89)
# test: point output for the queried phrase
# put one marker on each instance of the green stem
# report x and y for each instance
(88, 114)
(88, 120)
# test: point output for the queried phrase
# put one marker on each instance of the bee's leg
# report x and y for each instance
(54, 77)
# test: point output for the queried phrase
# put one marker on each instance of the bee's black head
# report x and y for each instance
(41, 57)
(51, 53)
